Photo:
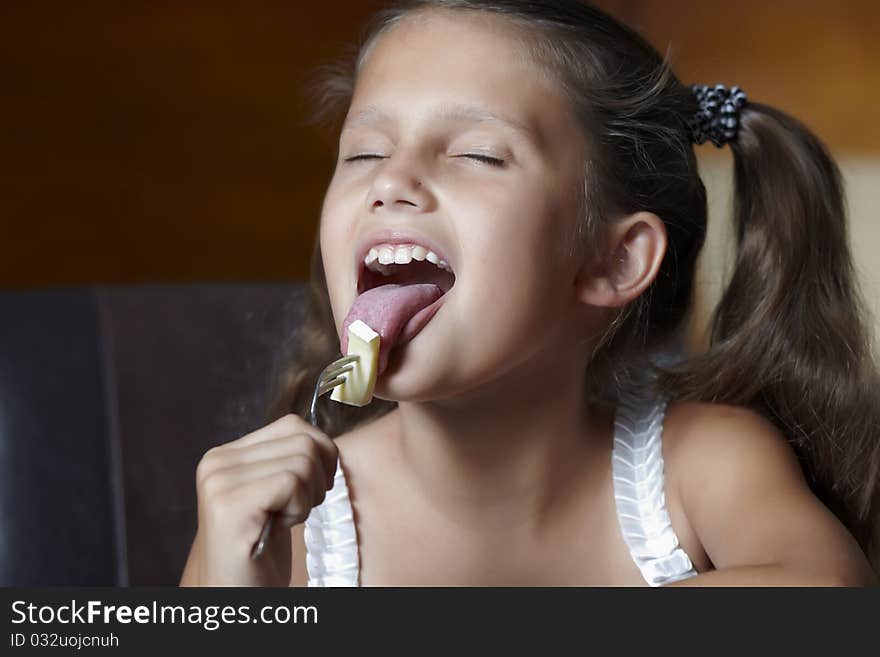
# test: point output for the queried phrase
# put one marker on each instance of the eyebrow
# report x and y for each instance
(372, 115)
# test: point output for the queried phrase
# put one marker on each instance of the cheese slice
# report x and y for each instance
(357, 389)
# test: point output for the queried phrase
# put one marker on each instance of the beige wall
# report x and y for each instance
(862, 179)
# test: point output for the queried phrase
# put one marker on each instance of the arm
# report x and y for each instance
(299, 574)
(745, 496)
(190, 570)
(769, 575)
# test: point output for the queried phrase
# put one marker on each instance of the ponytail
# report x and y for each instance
(789, 337)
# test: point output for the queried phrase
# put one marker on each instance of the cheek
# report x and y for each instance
(332, 226)
(519, 245)
(337, 234)
(330, 252)
(510, 282)
(338, 261)
(515, 286)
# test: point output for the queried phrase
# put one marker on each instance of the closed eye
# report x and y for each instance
(362, 157)
(492, 161)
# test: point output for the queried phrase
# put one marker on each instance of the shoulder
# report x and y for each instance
(703, 440)
(723, 454)
(709, 453)
(744, 493)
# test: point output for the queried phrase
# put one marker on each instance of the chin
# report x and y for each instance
(411, 375)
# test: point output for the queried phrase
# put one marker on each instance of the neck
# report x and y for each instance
(507, 454)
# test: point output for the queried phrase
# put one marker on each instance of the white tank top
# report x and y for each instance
(637, 469)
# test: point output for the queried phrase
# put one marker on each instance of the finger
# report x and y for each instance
(307, 468)
(283, 426)
(328, 453)
(281, 492)
(272, 449)
(294, 424)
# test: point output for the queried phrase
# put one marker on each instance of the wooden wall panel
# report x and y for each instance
(815, 59)
(164, 141)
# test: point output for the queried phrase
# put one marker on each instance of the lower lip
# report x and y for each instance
(419, 320)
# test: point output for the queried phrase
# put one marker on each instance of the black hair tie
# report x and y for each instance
(718, 116)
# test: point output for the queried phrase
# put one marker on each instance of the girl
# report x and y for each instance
(537, 424)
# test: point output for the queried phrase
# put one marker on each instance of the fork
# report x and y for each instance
(331, 376)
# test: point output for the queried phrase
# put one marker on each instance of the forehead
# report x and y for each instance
(458, 67)
(373, 115)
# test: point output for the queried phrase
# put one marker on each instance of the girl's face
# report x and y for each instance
(435, 98)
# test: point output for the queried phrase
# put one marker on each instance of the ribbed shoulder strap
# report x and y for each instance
(331, 540)
(637, 466)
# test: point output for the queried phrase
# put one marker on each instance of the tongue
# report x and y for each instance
(388, 309)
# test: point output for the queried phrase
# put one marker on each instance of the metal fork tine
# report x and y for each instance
(351, 358)
(327, 387)
(332, 375)
(329, 378)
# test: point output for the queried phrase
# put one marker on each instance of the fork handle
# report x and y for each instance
(260, 545)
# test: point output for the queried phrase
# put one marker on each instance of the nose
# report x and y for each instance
(398, 186)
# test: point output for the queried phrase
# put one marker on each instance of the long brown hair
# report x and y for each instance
(789, 337)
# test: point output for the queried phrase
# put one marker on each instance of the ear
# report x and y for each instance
(628, 262)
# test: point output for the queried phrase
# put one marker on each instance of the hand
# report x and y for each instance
(286, 466)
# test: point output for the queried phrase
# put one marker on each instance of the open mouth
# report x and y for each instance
(416, 271)
(397, 300)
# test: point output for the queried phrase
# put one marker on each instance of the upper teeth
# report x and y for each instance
(400, 254)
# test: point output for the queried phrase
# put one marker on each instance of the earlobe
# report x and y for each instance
(633, 251)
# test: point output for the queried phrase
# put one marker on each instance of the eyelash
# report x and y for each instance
(491, 161)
